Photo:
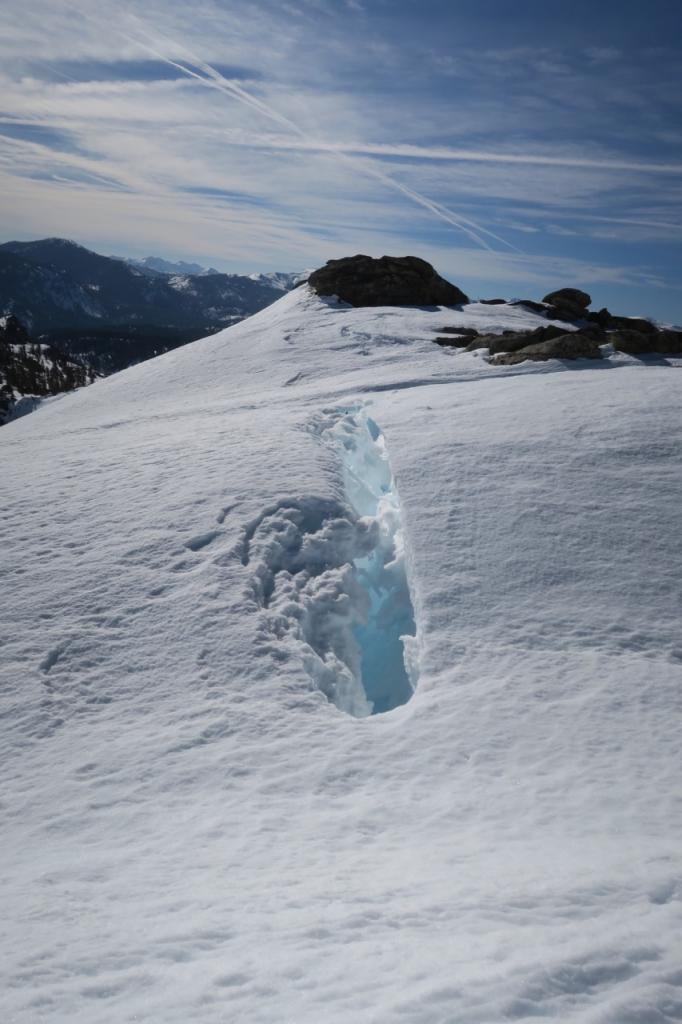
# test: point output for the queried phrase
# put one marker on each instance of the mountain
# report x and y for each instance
(284, 282)
(157, 265)
(104, 309)
(106, 291)
(218, 562)
(31, 372)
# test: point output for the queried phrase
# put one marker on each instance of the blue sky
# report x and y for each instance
(517, 146)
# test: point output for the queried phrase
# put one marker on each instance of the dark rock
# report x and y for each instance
(635, 343)
(549, 333)
(632, 323)
(592, 331)
(469, 332)
(483, 341)
(603, 318)
(515, 340)
(493, 302)
(452, 341)
(569, 297)
(537, 307)
(567, 304)
(456, 337)
(511, 341)
(560, 309)
(567, 314)
(672, 341)
(575, 345)
(388, 281)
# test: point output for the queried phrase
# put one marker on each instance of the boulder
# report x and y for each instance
(602, 318)
(575, 345)
(633, 323)
(388, 281)
(635, 343)
(483, 341)
(455, 337)
(453, 341)
(569, 298)
(672, 342)
(513, 341)
(470, 332)
(551, 331)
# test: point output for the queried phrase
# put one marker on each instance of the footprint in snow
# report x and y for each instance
(201, 540)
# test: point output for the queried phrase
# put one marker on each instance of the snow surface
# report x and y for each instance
(202, 557)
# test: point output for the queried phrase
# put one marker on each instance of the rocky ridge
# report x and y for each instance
(588, 332)
(111, 313)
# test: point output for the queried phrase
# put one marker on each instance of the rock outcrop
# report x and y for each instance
(388, 281)
(637, 343)
(568, 304)
(512, 341)
(631, 323)
(602, 318)
(574, 345)
(455, 337)
(634, 336)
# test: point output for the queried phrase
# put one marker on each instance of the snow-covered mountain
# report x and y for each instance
(283, 281)
(218, 562)
(113, 313)
(158, 265)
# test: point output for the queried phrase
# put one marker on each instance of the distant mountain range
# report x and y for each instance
(157, 265)
(112, 312)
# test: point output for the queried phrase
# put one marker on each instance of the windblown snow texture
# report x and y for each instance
(217, 563)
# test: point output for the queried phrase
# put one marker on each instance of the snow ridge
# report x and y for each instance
(194, 552)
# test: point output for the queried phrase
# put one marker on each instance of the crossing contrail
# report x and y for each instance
(198, 69)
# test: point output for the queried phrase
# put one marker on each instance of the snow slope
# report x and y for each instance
(204, 556)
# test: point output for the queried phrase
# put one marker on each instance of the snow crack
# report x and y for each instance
(329, 576)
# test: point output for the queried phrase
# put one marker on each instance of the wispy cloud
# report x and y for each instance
(278, 136)
(207, 75)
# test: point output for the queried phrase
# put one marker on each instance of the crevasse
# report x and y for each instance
(387, 638)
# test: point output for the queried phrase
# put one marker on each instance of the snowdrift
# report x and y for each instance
(342, 682)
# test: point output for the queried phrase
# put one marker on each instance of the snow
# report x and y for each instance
(157, 264)
(201, 556)
(182, 283)
(282, 280)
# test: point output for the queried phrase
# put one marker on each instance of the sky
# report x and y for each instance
(519, 147)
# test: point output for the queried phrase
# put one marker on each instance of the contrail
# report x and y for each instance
(446, 154)
(198, 69)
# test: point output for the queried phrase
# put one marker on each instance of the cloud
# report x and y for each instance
(278, 136)
(603, 54)
(454, 155)
(207, 75)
